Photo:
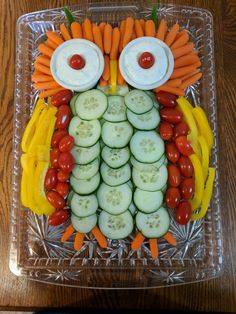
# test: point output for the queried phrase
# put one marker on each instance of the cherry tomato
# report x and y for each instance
(77, 62)
(63, 176)
(183, 145)
(146, 60)
(66, 162)
(174, 176)
(54, 157)
(62, 188)
(180, 128)
(63, 117)
(66, 143)
(171, 115)
(58, 217)
(62, 98)
(183, 213)
(166, 131)
(55, 199)
(172, 197)
(187, 188)
(172, 152)
(166, 99)
(185, 166)
(50, 179)
(57, 136)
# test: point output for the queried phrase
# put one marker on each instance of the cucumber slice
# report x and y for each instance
(85, 187)
(145, 121)
(72, 104)
(153, 225)
(148, 202)
(115, 157)
(121, 90)
(152, 95)
(84, 155)
(147, 146)
(83, 206)
(130, 184)
(85, 133)
(147, 167)
(150, 180)
(132, 208)
(91, 104)
(69, 197)
(164, 189)
(138, 101)
(84, 224)
(114, 199)
(84, 172)
(116, 226)
(114, 177)
(116, 135)
(116, 110)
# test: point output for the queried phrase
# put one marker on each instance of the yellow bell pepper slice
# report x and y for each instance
(205, 156)
(31, 126)
(50, 132)
(184, 107)
(23, 187)
(203, 125)
(195, 145)
(198, 180)
(30, 182)
(38, 189)
(43, 153)
(113, 69)
(206, 195)
(24, 160)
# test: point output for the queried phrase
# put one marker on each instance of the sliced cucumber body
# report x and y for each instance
(72, 104)
(116, 135)
(91, 104)
(114, 177)
(116, 226)
(83, 206)
(152, 95)
(85, 133)
(121, 90)
(84, 224)
(85, 187)
(69, 197)
(146, 201)
(115, 200)
(138, 101)
(147, 167)
(116, 110)
(84, 172)
(115, 157)
(85, 155)
(132, 208)
(145, 121)
(153, 225)
(147, 146)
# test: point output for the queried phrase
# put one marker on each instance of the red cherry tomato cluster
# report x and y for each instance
(62, 162)
(174, 131)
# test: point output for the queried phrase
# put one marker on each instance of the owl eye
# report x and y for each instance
(146, 60)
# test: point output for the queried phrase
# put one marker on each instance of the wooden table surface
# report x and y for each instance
(214, 295)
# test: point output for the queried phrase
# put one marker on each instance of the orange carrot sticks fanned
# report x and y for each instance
(162, 29)
(178, 73)
(64, 32)
(42, 68)
(88, 29)
(142, 23)
(186, 60)
(153, 247)
(51, 44)
(181, 41)
(76, 30)
(137, 242)
(170, 89)
(45, 50)
(106, 71)
(107, 38)
(55, 37)
(138, 29)
(102, 26)
(120, 79)
(173, 83)
(170, 238)
(102, 241)
(122, 32)
(191, 80)
(46, 85)
(170, 37)
(102, 82)
(41, 78)
(150, 28)
(97, 36)
(79, 240)
(115, 44)
(50, 92)
(184, 50)
(68, 233)
(129, 25)
(43, 60)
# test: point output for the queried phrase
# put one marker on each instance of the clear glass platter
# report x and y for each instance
(35, 248)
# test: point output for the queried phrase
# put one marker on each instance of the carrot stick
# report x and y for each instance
(162, 29)
(76, 30)
(170, 238)
(36, 72)
(191, 80)
(79, 240)
(184, 50)
(102, 26)
(142, 23)
(50, 92)
(42, 68)
(138, 29)
(45, 50)
(97, 36)
(181, 41)
(68, 233)
(115, 44)
(185, 60)
(183, 78)
(153, 247)
(55, 37)
(51, 44)
(173, 90)
(106, 71)
(88, 29)
(46, 85)
(64, 32)
(102, 241)
(43, 60)
(107, 38)
(122, 32)
(198, 64)
(41, 78)
(170, 37)
(120, 79)
(150, 28)
(133, 35)
(178, 73)
(173, 83)
(102, 82)
(129, 25)
(137, 242)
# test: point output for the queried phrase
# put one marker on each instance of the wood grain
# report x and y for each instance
(215, 295)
